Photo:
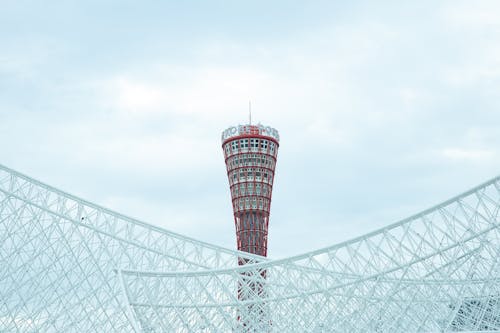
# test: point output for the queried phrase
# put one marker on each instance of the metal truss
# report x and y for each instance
(437, 271)
(59, 254)
(70, 266)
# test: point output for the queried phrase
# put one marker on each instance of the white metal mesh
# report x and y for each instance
(71, 266)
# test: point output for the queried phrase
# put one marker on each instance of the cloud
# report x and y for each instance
(468, 155)
(477, 15)
(137, 96)
(205, 91)
(379, 115)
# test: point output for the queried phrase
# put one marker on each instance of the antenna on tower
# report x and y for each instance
(250, 111)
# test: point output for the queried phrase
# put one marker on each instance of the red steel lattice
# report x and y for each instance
(250, 153)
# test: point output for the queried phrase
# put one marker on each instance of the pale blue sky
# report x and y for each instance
(384, 108)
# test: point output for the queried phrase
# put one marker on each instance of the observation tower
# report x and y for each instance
(250, 153)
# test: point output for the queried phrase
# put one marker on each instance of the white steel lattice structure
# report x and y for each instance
(67, 265)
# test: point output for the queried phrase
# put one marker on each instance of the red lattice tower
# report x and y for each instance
(250, 153)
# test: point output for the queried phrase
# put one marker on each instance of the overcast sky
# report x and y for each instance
(384, 108)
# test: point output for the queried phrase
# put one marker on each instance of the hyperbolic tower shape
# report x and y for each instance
(250, 153)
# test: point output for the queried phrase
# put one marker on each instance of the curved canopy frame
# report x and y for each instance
(68, 265)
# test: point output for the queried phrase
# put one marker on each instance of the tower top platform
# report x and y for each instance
(250, 130)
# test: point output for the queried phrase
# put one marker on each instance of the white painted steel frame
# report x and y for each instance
(67, 265)
(437, 271)
(59, 254)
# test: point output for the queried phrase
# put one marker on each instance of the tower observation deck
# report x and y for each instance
(250, 153)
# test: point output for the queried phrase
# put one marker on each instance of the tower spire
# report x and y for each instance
(250, 111)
